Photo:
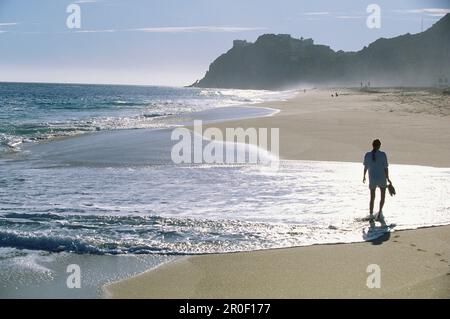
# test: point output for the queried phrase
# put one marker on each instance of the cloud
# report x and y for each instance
(435, 12)
(85, 1)
(196, 29)
(6, 24)
(176, 29)
(327, 15)
(348, 17)
(319, 13)
(96, 31)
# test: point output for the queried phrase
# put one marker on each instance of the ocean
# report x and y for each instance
(86, 170)
(36, 112)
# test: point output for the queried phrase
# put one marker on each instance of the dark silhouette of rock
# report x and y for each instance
(280, 61)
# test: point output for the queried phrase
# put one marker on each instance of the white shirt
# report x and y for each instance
(376, 168)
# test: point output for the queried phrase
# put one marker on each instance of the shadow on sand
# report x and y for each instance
(381, 239)
(377, 235)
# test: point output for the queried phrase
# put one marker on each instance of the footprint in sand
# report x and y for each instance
(422, 250)
(412, 245)
(437, 254)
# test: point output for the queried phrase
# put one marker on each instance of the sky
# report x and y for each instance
(172, 42)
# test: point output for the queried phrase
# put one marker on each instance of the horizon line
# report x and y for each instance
(87, 83)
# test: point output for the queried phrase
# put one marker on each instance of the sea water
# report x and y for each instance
(35, 112)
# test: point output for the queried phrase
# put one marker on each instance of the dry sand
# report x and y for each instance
(413, 263)
(414, 126)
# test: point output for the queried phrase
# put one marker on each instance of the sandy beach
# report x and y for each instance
(413, 264)
(414, 128)
(413, 125)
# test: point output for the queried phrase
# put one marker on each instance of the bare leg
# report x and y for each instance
(372, 200)
(383, 195)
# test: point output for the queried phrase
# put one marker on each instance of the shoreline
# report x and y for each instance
(131, 118)
(246, 112)
(141, 286)
(317, 271)
(75, 150)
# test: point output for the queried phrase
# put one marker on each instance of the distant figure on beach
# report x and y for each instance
(376, 163)
(336, 94)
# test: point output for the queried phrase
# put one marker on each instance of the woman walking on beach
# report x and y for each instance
(377, 164)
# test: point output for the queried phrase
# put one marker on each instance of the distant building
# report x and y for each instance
(240, 43)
